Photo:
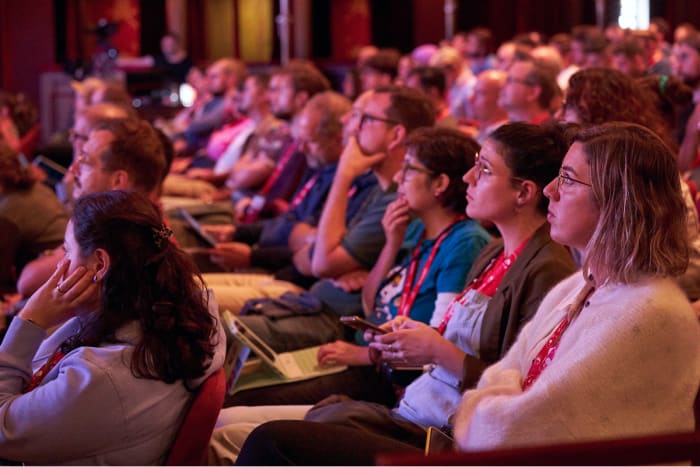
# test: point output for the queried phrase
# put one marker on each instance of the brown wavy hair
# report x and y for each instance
(149, 281)
(641, 231)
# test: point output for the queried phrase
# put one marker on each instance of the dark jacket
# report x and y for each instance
(541, 265)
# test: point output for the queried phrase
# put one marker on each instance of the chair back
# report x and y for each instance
(192, 440)
(645, 450)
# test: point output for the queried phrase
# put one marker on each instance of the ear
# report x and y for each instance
(527, 194)
(534, 93)
(102, 264)
(440, 184)
(120, 180)
(398, 135)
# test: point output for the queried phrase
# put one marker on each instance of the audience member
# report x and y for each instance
(458, 77)
(487, 113)
(599, 95)
(686, 65)
(223, 77)
(379, 69)
(172, 61)
(562, 42)
(31, 207)
(136, 338)
(530, 93)
(431, 81)
(628, 57)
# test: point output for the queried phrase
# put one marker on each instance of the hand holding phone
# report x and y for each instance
(360, 324)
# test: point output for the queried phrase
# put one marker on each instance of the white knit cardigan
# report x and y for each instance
(628, 365)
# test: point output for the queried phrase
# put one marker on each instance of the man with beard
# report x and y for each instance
(121, 154)
(223, 77)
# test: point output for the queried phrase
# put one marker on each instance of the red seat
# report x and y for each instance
(192, 440)
(645, 450)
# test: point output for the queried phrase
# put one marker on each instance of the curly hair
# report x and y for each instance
(149, 281)
(600, 95)
(445, 151)
(641, 231)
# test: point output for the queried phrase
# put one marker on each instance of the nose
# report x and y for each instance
(551, 191)
(398, 176)
(469, 177)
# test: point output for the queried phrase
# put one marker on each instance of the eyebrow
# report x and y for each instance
(568, 168)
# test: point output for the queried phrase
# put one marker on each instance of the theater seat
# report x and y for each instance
(657, 449)
(190, 446)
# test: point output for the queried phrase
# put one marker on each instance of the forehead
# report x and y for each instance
(520, 69)
(251, 82)
(281, 81)
(485, 84)
(378, 104)
(490, 153)
(361, 101)
(575, 159)
(98, 141)
(307, 122)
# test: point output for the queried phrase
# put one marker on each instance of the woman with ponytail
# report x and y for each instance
(135, 338)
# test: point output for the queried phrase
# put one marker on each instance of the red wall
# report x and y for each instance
(26, 44)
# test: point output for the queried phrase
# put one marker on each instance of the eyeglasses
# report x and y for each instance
(564, 179)
(481, 169)
(367, 117)
(405, 167)
(74, 136)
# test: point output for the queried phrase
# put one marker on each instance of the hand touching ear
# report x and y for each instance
(58, 299)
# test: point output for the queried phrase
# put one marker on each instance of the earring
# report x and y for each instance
(94, 278)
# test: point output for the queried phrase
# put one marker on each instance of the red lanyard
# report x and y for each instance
(304, 191)
(38, 377)
(410, 290)
(494, 271)
(291, 149)
(549, 349)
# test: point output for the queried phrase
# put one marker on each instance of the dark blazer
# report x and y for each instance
(541, 265)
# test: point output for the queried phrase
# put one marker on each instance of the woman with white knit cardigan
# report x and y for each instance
(613, 351)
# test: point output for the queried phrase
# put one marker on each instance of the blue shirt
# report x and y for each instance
(447, 273)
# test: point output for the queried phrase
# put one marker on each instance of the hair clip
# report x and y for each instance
(161, 235)
(663, 80)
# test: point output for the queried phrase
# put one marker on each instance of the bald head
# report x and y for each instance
(484, 99)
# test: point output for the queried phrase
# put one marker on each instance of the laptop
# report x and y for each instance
(196, 226)
(272, 368)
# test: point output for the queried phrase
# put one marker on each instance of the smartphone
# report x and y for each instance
(361, 324)
(54, 171)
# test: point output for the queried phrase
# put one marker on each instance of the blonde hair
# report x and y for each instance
(641, 230)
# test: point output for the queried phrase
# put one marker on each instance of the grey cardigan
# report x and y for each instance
(89, 409)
